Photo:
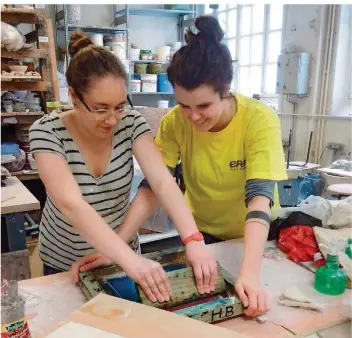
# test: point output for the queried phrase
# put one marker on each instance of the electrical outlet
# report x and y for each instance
(336, 146)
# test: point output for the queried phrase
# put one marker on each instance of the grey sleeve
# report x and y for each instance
(145, 184)
(259, 187)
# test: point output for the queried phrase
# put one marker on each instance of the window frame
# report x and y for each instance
(265, 33)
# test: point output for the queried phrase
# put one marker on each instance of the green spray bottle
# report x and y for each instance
(348, 250)
(330, 279)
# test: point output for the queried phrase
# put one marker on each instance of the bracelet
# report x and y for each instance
(197, 236)
(258, 221)
(258, 214)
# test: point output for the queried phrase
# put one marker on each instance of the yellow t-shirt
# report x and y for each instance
(216, 165)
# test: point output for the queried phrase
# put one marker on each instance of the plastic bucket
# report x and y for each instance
(164, 85)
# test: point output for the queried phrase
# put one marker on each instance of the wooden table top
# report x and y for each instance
(52, 299)
(344, 189)
(15, 197)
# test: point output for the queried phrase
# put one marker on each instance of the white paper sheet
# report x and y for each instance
(74, 330)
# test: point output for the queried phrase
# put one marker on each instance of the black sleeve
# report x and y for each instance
(260, 187)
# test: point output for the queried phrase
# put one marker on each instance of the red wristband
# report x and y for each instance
(197, 236)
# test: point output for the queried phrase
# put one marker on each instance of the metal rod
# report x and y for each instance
(289, 150)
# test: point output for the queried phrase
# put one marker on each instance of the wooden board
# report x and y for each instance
(16, 114)
(132, 320)
(275, 277)
(24, 200)
(51, 63)
(184, 289)
(24, 53)
(19, 17)
(35, 86)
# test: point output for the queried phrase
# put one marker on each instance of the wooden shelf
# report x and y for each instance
(40, 86)
(22, 118)
(19, 15)
(24, 53)
(14, 114)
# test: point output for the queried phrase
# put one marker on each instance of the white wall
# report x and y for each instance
(303, 28)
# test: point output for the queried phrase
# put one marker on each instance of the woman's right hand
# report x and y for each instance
(151, 277)
(147, 273)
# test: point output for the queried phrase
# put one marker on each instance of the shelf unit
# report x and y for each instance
(185, 19)
(43, 36)
(44, 51)
(62, 25)
(119, 18)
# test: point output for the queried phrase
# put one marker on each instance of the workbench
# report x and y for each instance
(51, 300)
(16, 200)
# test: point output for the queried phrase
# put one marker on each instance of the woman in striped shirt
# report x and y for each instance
(84, 158)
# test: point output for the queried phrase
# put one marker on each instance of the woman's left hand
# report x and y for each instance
(204, 266)
(252, 294)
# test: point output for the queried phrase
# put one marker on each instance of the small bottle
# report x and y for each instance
(13, 318)
(348, 250)
(330, 279)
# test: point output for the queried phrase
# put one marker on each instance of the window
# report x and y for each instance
(253, 35)
(342, 65)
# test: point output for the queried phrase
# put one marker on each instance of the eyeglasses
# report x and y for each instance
(103, 114)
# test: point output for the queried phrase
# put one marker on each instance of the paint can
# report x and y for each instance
(135, 86)
(155, 68)
(135, 54)
(149, 83)
(141, 68)
(163, 53)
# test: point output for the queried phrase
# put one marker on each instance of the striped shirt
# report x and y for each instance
(60, 243)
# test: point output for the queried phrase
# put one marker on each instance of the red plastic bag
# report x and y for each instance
(299, 242)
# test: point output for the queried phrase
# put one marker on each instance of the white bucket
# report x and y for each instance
(135, 86)
(119, 49)
(149, 77)
(118, 37)
(98, 39)
(126, 64)
(163, 104)
(163, 53)
(149, 86)
(135, 54)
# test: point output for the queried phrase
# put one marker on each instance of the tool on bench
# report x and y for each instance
(219, 305)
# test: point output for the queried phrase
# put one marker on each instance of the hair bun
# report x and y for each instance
(77, 42)
(209, 27)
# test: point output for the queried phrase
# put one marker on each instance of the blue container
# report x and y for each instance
(289, 191)
(312, 184)
(164, 85)
(10, 148)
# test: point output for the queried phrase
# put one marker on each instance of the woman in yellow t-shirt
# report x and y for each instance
(231, 153)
